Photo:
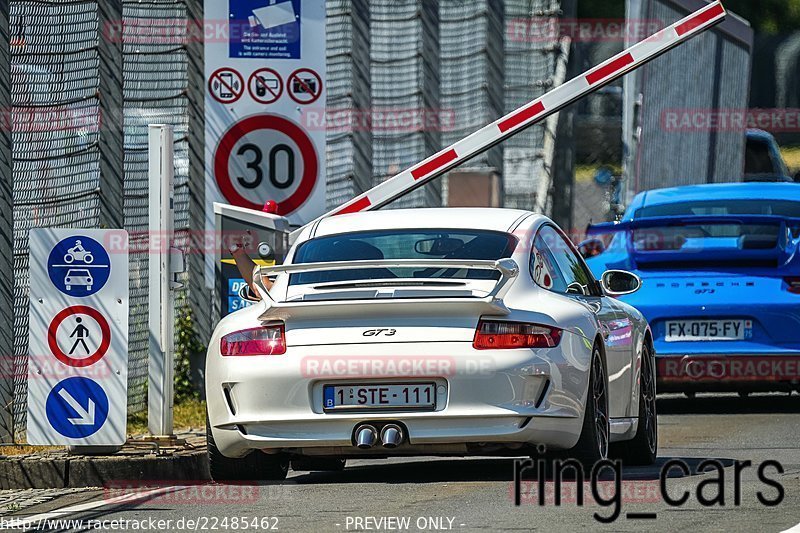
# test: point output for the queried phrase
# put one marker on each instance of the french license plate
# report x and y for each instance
(404, 396)
(708, 330)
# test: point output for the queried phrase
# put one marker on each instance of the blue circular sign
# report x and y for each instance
(79, 266)
(77, 407)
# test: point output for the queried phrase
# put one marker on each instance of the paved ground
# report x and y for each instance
(477, 494)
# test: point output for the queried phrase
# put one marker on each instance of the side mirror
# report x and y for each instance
(797, 176)
(246, 294)
(591, 247)
(620, 282)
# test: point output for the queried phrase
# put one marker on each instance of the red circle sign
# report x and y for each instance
(266, 122)
(226, 85)
(265, 85)
(105, 336)
(305, 86)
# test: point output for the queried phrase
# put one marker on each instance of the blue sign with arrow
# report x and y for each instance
(77, 407)
(79, 266)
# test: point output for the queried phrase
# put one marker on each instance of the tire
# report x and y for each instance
(88, 259)
(593, 444)
(318, 464)
(69, 258)
(256, 466)
(643, 448)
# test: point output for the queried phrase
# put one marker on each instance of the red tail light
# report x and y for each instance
(794, 284)
(504, 335)
(269, 340)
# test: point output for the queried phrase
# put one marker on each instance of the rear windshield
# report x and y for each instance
(721, 235)
(785, 208)
(397, 244)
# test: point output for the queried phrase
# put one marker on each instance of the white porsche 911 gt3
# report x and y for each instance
(429, 332)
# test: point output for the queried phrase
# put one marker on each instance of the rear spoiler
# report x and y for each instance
(690, 220)
(507, 268)
(784, 254)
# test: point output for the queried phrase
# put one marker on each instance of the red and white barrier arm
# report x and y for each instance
(534, 111)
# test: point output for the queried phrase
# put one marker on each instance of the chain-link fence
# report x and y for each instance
(155, 92)
(55, 81)
(57, 129)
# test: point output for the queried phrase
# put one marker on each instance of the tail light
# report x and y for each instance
(794, 284)
(493, 335)
(268, 340)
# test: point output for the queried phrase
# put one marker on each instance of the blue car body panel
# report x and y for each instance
(714, 277)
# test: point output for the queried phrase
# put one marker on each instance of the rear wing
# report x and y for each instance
(690, 220)
(531, 113)
(507, 268)
(780, 252)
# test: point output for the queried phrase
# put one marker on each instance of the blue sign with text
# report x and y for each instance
(264, 29)
(79, 266)
(77, 407)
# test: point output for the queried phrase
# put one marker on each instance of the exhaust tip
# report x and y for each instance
(366, 436)
(391, 436)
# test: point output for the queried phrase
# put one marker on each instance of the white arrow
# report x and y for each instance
(86, 417)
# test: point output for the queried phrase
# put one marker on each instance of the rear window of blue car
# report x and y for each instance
(402, 244)
(726, 237)
(784, 208)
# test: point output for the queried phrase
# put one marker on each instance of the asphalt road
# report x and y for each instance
(478, 494)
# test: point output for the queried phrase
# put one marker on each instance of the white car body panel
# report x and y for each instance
(496, 397)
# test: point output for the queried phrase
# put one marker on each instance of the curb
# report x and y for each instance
(62, 471)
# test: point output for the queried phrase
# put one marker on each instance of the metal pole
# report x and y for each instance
(199, 296)
(6, 237)
(161, 297)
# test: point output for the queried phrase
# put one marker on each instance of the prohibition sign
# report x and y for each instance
(265, 85)
(269, 122)
(226, 85)
(306, 89)
(105, 336)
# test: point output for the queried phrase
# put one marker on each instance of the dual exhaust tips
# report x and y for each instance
(366, 436)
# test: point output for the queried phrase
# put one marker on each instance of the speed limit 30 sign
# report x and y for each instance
(266, 157)
(260, 78)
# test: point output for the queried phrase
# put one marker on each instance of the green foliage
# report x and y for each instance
(186, 345)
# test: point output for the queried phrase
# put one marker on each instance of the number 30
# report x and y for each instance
(258, 158)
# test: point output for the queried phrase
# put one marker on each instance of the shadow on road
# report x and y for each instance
(674, 404)
(478, 469)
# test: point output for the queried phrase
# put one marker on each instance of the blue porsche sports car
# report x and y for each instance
(720, 270)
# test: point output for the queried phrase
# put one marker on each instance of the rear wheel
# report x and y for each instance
(643, 448)
(593, 443)
(318, 464)
(254, 467)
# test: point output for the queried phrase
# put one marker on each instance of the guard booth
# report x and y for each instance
(265, 238)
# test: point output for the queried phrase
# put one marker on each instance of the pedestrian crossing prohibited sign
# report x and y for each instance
(78, 337)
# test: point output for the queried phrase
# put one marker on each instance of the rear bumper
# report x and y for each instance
(728, 372)
(509, 398)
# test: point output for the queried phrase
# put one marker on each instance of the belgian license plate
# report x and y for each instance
(709, 330)
(390, 396)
